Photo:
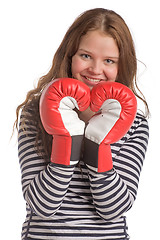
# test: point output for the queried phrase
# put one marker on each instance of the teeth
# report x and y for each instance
(93, 80)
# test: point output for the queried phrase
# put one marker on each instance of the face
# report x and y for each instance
(96, 59)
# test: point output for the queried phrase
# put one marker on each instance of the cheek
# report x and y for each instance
(111, 73)
(77, 65)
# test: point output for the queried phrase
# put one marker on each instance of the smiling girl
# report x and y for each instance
(75, 201)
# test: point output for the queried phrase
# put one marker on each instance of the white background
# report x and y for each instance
(30, 32)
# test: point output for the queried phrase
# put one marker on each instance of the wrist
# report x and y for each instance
(66, 150)
(98, 157)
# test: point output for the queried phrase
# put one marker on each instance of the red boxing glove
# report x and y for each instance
(59, 119)
(115, 106)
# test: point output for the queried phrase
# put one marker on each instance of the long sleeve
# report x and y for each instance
(114, 192)
(44, 185)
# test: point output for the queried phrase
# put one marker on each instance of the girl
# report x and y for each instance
(61, 202)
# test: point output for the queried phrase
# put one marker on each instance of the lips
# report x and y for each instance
(91, 81)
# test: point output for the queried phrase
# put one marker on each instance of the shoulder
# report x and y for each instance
(140, 123)
(30, 109)
(139, 130)
(28, 121)
(138, 134)
(30, 113)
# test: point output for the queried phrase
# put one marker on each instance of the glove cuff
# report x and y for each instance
(66, 150)
(97, 156)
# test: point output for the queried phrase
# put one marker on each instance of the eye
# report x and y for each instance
(109, 61)
(85, 56)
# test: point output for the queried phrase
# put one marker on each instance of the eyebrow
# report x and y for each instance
(81, 49)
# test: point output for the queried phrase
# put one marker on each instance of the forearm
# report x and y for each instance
(111, 196)
(115, 191)
(46, 191)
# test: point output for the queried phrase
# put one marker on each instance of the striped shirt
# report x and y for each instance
(75, 202)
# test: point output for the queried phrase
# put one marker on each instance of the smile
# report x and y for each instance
(93, 80)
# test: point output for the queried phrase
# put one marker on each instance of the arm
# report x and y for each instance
(115, 191)
(44, 185)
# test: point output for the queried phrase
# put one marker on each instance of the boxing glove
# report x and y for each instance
(59, 119)
(115, 106)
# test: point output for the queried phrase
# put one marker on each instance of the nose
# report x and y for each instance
(96, 67)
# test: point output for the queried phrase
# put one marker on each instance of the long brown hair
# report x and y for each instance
(111, 24)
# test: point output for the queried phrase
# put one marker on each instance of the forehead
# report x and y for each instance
(97, 42)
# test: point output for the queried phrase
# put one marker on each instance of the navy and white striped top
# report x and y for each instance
(75, 202)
